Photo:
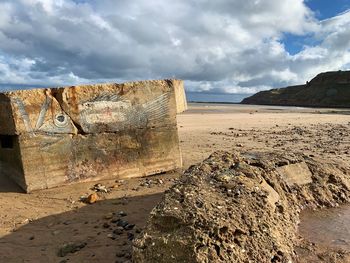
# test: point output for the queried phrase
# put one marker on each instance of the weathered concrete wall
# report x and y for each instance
(180, 96)
(90, 132)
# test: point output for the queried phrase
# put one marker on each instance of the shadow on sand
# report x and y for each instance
(40, 240)
(7, 185)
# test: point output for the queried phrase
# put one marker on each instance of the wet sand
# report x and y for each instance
(34, 226)
(325, 235)
(327, 227)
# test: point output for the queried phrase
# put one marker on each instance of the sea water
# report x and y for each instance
(215, 97)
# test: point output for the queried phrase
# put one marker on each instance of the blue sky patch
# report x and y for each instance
(327, 8)
(323, 9)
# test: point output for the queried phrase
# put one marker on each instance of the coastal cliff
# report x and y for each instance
(328, 89)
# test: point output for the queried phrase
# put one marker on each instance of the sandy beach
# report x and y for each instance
(33, 227)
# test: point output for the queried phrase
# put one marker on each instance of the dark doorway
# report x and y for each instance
(7, 141)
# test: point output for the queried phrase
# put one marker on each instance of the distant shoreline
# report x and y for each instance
(227, 98)
(298, 105)
(214, 102)
(277, 105)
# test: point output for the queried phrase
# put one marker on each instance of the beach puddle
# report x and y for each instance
(327, 227)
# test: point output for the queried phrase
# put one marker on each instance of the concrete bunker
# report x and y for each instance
(57, 136)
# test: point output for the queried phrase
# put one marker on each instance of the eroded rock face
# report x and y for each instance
(239, 208)
(51, 137)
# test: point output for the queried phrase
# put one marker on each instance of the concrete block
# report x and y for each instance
(58, 136)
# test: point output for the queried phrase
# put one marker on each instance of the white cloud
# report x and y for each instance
(217, 46)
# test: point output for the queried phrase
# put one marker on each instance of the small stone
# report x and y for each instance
(176, 190)
(25, 221)
(129, 226)
(122, 223)
(130, 236)
(120, 254)
(122, 213)
(100, 188)
(70, 248)
(111, 236)
(118, 231)
(160, 181)
(106, 225)
(56, 232)
(109, 216)
(92, 198)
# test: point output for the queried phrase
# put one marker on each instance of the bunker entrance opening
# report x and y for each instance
(7, 141)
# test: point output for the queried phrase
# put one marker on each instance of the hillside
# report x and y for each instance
(329, 89)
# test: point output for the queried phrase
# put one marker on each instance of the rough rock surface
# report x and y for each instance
(240, 208)
(56, 136)
(329, 89)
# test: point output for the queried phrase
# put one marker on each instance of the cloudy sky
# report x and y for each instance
(235, 46)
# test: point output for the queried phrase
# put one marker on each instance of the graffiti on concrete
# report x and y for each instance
(114, 113)
(107, 113)
(43, 111)
(24, 114)
(106, 110)
(59, 124)
(91, 132)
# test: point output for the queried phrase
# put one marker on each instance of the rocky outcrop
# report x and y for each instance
(329, 89)
(239, 208)
(57, 136)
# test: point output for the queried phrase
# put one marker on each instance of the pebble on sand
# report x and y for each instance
(92, 198)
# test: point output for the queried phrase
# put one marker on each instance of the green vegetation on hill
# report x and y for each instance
(329, 89)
